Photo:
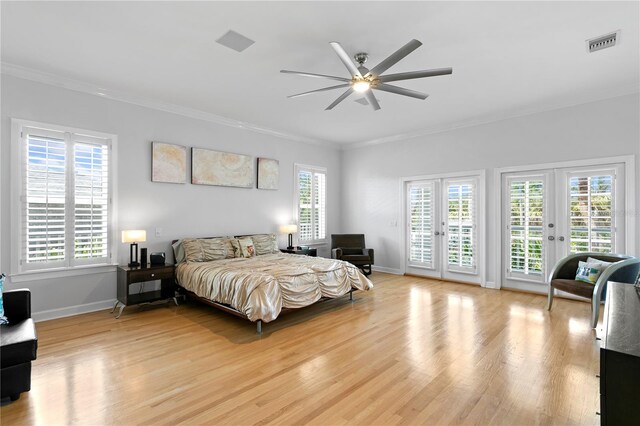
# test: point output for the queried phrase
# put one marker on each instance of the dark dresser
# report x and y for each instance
(620, 356)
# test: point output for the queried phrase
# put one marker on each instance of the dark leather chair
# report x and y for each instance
(18, 344)
(351, 248)
(563, 277)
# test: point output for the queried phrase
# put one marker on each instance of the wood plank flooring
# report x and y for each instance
(411, 351)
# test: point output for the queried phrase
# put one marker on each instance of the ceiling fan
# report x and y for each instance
(364, 80)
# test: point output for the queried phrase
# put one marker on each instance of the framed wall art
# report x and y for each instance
(210, 167)
(268, 173)
(168, 163)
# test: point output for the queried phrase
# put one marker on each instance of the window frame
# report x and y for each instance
(69, 267)
(296, 202)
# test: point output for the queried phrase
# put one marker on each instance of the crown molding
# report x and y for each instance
(483, 120)
(38, 76)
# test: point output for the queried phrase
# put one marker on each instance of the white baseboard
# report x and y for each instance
(491, 284)
(72, 310)
(387, 270)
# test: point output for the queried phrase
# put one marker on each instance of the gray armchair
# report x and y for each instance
(562, 277)
(351, 248)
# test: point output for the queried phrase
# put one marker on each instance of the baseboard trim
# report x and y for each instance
(72, 310)
(492, 285)
(386, 270)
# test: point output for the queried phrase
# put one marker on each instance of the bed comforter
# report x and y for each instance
(261, 286)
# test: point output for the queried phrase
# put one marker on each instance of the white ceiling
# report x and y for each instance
(509, 58)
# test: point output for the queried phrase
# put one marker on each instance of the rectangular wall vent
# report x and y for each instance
(603, 42)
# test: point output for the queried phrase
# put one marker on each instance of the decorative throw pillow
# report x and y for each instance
(207, 249)
(178, 252)
(3, 319)
(265, 244)
(589, 272)
(246, 247)
(591, 261)
(236, 247)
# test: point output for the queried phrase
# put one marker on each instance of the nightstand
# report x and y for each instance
(127, 276)
(303, 251)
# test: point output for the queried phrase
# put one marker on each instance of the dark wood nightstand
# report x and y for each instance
(304, 251)
(127, 276)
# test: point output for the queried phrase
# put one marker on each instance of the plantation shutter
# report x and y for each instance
(311, 207)
(421, 224)
(591, 222)
(44, 198)
(526, 226)
(65, 199)
(91, 210)
(461, 226)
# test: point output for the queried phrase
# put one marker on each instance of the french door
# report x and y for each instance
(548, 214)
(441, 233)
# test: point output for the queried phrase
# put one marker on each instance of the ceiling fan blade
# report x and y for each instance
(309, 74)
(400, 91)
(415, 74)
(394, 58)
(340, 99)
(372, 100)
(319, 90)
(346, 60)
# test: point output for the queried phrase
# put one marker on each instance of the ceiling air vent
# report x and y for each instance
(603, 42)
(235, 41)
(363, 101)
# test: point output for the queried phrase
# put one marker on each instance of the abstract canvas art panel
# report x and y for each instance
(210, 167)
(168, 163)
(268, 173)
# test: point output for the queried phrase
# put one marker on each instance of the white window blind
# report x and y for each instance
(421, 224)
(311, 195)
(591, 220)
(65, 199)
(526, 226)
(461, 218)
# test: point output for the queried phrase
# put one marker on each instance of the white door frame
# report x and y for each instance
(481, 216)
(629, 162)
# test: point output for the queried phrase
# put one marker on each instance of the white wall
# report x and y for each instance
(180, 210)
(371, 201)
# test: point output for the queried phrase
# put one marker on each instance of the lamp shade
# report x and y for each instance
(289, 229)
(134, 236)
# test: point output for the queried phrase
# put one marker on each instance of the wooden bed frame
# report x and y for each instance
(233, 311)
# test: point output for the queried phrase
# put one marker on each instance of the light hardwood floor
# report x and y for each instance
(411, 351)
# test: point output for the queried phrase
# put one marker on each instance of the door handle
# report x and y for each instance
(560, 238)
(551, 238)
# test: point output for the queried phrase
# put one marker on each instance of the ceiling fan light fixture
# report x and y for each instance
(361, 86)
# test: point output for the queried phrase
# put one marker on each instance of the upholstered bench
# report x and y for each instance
(18, 344)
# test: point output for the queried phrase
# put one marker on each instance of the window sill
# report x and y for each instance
(45, 274)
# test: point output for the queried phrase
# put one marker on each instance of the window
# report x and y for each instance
(311, 188)
(461, 225)
(526, 225)
(65, 202)
(591, 219)
(421, 223)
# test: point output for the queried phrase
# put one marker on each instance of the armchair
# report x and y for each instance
(562, 277)
(18, 344)
(351, 248)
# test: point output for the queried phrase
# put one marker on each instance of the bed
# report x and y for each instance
(261, 286)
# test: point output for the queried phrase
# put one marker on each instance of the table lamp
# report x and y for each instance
(134, 237)
(289, 229)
